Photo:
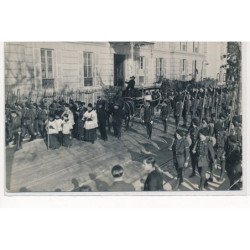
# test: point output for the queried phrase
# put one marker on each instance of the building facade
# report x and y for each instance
(92, 65)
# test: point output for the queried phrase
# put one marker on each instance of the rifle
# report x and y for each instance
(182, 106)
(203, 105)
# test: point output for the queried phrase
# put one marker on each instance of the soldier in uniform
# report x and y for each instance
(148, 119)
(233, 159)
(180, 150)
(154, 180)
(165, 113)
(177, 110)
(28, 118)
(102, 117)
(117, 116)
(186, 109)
(220, 149)
(205, 154)
(15, 127)
(193, 133)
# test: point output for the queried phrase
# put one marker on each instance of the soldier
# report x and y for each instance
(177, 110)
(154, 181)
(233, 158)
(15, 127)
(205, 154)
(193, 133)
(28, 118)
(186, 109)
(148, 119)
(165, 113)
(41, 118)
(220, 149)
(180, 150)
(102, 118)
(117, 116)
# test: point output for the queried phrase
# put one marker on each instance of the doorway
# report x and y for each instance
(119, 70)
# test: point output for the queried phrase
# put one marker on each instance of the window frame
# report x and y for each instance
(47, 64)
(181, 46)
(88, 63)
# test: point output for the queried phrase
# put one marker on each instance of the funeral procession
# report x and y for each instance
(123, 116)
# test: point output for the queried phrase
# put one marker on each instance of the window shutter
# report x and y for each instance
(157, 66)
(181, 67)
(96, 70)
(186, 67)
(164, 68)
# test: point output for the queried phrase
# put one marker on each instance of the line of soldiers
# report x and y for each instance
(34, 120)
(213, 139)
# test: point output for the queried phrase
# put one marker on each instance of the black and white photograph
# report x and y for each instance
(123, 116)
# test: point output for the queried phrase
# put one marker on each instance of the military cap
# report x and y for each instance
(204, 131)
(232, 138)
(117, 171)
(13, 112)
(180, 132)
(237, 118)
(195, 121)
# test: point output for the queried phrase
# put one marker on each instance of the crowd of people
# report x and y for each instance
(208, 138)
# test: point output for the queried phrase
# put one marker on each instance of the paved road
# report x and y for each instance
(34, 168)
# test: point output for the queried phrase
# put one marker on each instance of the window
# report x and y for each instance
(194, 69)
(159, 67)
(47, 63)
(183, 65)
(141, 79)
(196, 47)
(142, 62)
(183, 69)
(88, 68)
(183, 46)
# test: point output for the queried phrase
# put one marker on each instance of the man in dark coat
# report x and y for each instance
(193, 133)
(180, 150)
(102, 117)
(15, 127)
(165, 113)
(131, 84)
(154, 181)
(205, 154)
(117, 116)
(28, 119)
(148, 119)
(119, 184)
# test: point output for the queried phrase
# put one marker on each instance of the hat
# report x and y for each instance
(13, 112)
(150, 160)
(180, 132)
(204, 131)
(195, 121)
(90, 105)
(232, 138)
(132, 77)
(117, 171)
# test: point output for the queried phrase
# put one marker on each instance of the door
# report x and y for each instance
(119, 70)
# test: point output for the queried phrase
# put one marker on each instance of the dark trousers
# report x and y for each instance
(60, 137)
(193, 162)
(27, 126)
(102, 129)
(149, 129)
(180, 174)
(202, 171)
(177, 120)
(117, 126)
(185, 118)
(165, 125)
